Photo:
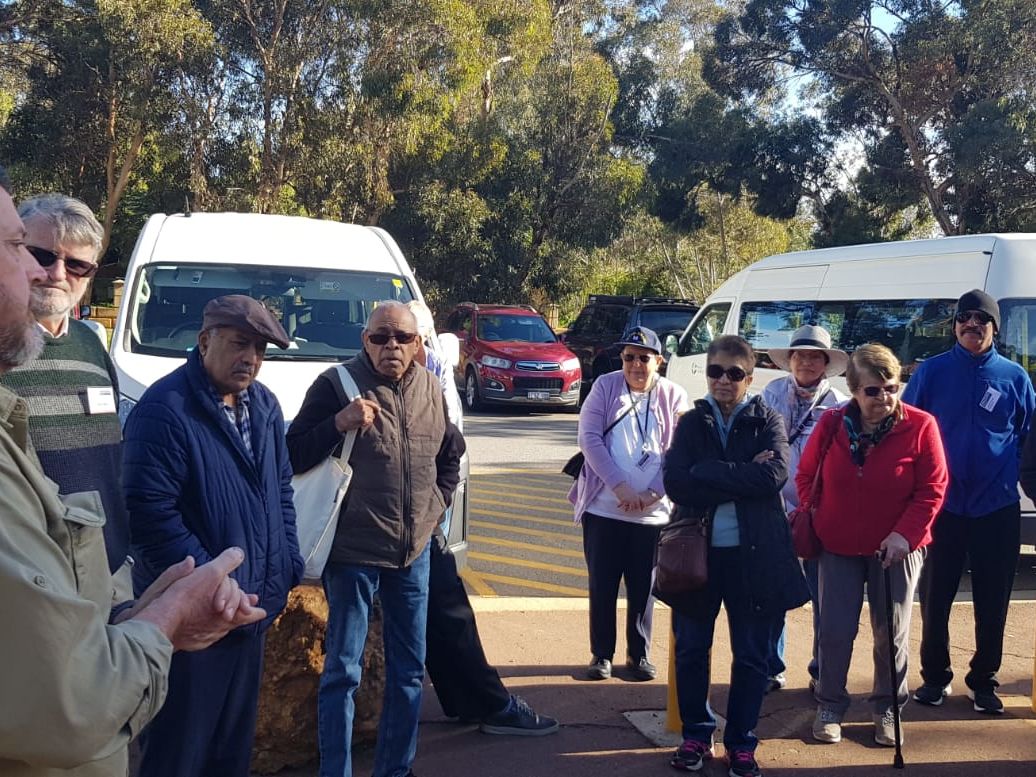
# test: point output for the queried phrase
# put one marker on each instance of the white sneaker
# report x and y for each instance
(885, 729)
(828, 726)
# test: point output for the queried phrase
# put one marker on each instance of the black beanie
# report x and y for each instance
(976, 299)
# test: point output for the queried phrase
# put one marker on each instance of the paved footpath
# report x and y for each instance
(540, 646)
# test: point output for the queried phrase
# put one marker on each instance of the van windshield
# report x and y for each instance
(1017, 336)
(323, 311)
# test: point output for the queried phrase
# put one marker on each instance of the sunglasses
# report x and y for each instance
(873, 391)
(643, 358)
(381, 338)
(966, 315)
(735, 374)
(80, 268)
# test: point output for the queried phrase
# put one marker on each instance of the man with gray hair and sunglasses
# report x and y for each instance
(72, 388)
(406, 466)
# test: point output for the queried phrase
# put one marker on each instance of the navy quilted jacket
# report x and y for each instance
(193, 489)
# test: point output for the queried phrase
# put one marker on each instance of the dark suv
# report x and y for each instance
(508, 353)
(606, 318)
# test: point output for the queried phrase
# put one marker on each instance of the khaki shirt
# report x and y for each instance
(73, 689)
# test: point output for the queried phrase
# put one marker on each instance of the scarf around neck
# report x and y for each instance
(861, 443)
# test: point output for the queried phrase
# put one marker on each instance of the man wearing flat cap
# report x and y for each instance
(205, 468)
(984, 404)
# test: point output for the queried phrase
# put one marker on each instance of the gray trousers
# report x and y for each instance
(842, 581)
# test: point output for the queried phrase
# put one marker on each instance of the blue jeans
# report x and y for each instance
(750, 637)
(350, 591)
(777, 665)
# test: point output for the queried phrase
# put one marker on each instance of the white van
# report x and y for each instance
(899, 294)
(321, 277)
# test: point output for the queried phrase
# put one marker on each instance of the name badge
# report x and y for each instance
(100, 399)
(989, 400)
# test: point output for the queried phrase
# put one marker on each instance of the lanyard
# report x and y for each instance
(643, 430)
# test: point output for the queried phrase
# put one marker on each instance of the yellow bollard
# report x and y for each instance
(672, 708)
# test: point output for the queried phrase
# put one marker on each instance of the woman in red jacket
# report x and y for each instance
(883, 476)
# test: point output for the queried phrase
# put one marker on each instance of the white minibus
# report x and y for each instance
(322, 278)
(899, 294)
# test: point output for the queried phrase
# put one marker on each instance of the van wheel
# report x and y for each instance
(472, 396)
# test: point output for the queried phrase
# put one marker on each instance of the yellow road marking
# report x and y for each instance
(481, 484)
(528, 563)
(533, 473)
(474, 579)
(519, 493)
(520, 517)
(483, 539)
(550, 535)
(520, 582)
(478, 500)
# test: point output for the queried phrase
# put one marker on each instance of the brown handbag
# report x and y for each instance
(804, 537)
(682, 565)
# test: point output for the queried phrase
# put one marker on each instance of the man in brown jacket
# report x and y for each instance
(406, 464)
(75, 689)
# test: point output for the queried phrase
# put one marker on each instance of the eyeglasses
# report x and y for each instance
(735, 374)
(80, 268)
(381, 338)
(643, 358)
(873, 391)
(966, 315)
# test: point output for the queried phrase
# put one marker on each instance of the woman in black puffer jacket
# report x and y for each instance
(728, 463)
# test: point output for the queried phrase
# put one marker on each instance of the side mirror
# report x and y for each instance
(671, 343)
(450, 347)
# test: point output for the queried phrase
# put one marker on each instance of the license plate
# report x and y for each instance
(539, 395)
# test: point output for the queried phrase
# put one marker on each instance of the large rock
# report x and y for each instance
(286, 729)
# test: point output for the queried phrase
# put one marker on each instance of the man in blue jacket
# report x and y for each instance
(206, 467)
(984, 404)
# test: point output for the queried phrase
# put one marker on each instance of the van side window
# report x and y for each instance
(707, 326)
(1017, 336)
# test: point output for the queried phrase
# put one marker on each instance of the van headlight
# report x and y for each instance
(494, 361)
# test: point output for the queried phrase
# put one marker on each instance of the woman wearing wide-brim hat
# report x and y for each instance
(801, 398)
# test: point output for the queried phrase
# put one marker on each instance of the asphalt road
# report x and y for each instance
(522, 539)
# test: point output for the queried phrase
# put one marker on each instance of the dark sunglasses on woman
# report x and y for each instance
(874, 391)
(80, 268)
(735, 374)
(381, 338)
(643, 358)
(966, 315)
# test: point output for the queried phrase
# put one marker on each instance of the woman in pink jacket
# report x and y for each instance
(883, 477)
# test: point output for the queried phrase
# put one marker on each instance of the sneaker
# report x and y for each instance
(641, 669)
(599, 669)
(691, 756)
(885, 728)
(987, 702)
(742, 764)
(932, 695)
(827, 727)
(518, 719)
(776, 682)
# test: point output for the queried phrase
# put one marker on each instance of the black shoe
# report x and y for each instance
(776, 683)
(518, 719)
(987, 702)
(641, 669)
(599, 669)
(932, 695)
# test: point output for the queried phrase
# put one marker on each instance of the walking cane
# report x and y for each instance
(897, 762)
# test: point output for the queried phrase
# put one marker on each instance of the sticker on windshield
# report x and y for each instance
(397, 283)
(330, 285)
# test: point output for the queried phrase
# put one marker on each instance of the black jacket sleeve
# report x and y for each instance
(1027, 475)
(447, 462)
(748, 479)
(313, 436)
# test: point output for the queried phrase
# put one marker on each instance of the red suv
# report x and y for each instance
(508, 353)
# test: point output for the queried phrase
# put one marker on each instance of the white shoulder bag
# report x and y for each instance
(319, 493)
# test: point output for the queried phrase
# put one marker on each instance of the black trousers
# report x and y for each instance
(467, 686)
(619, 551)
(207, 725)
(990, 544)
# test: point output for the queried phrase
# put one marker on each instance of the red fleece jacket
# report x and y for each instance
(900, 486)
